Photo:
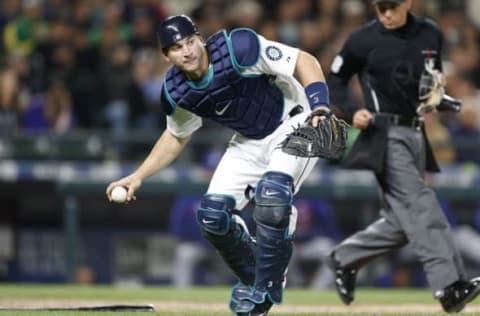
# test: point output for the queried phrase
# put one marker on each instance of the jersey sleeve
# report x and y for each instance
(276, 58)
(348, 61)
(182, 123)
(438, 35)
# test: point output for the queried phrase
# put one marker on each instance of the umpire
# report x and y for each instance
(391, 55)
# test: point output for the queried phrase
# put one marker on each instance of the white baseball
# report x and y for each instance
(119, 194)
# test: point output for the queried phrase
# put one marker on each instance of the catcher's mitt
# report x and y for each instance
(327, 140)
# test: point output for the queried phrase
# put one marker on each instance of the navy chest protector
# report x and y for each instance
(252, 105)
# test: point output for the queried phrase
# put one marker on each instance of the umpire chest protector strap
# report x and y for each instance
(252, 105)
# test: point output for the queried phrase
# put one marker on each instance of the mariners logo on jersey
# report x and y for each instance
(273, 53)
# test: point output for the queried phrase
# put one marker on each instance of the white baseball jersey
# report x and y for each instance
(245, 159)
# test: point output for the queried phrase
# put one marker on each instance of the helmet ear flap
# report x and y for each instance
(174, 29)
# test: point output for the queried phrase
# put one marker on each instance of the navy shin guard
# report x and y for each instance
(229, 235)
(273, 255)
(273, 208)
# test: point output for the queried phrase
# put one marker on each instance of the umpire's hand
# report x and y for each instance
(362, 118)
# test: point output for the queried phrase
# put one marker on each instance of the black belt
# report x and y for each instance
(296, 110)
(400, 120)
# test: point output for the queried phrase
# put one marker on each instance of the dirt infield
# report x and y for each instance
(219, 307)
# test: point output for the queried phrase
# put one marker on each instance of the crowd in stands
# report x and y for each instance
(95, 63)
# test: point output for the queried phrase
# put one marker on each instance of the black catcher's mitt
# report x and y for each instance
(328, 140)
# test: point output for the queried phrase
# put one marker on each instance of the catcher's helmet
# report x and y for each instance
(175, 28)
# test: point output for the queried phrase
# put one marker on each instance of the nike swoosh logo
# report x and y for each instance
(220, 112)
(268, 193)
(206, 221)
(313, 94)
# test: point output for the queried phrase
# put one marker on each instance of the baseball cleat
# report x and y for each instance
(454, 297)
(345, 279)
(261, 309)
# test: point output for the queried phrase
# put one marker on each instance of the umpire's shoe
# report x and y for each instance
(455, 296)
(345, 279)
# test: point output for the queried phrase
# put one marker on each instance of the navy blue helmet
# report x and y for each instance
(174, 29)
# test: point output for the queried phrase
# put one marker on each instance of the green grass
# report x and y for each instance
(212, 295)
(202, 294)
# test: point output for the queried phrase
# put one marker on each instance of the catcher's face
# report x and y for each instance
(190, 55)
(393, 15)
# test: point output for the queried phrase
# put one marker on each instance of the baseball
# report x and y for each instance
(119, 194)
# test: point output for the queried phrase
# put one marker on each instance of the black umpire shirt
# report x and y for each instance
(389, 64)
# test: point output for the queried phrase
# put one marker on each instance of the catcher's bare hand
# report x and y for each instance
(130, 183)
(319, 114)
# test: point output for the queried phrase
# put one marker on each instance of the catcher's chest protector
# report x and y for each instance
(252, 105)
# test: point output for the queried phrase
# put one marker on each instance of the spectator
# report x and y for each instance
(147, 76)
(467, 135)
(116, 82)
(49, 112)
(13, 92)
(191, 248)
(440, 139)
(112, 30)
(9, 10)
(22, 34)
(143, 32)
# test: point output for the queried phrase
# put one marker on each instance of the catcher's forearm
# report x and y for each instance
(308, 69)
(165, 150)
(311, 76)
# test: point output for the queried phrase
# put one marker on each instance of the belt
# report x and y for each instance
(400, 120)
(295, 110)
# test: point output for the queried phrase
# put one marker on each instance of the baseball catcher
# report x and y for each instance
(325, 137)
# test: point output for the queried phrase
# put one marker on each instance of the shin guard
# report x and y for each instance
(228, 234)
(273, 208)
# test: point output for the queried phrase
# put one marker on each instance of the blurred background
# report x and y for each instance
(79, 107)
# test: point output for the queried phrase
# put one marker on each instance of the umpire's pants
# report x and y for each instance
(412, 215)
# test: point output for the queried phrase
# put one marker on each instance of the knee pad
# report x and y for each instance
(215, 213)
(273, 198)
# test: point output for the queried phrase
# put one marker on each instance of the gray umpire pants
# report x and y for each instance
(411, 215)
